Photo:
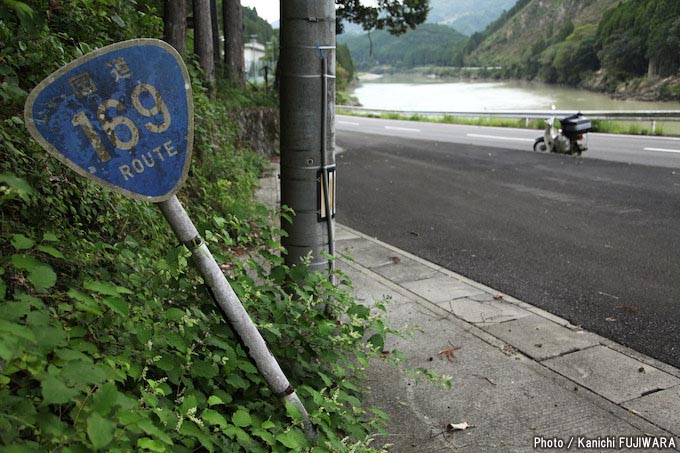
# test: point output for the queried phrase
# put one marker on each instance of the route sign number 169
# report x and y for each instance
(121, 115)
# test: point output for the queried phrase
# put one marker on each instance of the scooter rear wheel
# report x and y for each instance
(539, 145)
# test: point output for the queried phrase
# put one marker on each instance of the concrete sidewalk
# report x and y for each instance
(523, 379)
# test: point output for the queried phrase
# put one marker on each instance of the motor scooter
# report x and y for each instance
(572, 139)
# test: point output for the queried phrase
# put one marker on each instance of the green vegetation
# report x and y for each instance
(255, 26)
(606, 126)
(641, 36)
(345, 74)
(108, 338)
(429, 44)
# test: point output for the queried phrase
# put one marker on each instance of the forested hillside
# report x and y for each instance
(427, 45)
(594, 43)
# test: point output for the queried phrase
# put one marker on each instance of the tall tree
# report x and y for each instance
(397, 16)
(175, 24)
(234, 63)
(214, 21)
(203, 41)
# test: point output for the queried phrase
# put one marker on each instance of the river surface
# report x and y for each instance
(400, 92)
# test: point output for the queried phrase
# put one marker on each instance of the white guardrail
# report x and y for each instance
(621, 115)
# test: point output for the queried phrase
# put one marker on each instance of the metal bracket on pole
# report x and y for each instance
(228, 303)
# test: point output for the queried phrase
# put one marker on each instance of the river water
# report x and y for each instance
(402, 92)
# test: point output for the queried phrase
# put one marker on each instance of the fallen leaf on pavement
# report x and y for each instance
(629, 308)
(498, 296)
(448, 353)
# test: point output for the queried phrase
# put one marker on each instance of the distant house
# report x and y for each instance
(253, 53)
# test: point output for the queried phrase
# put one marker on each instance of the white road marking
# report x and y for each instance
(349, 123)
(663, 150)
(407, 129)
(496, 137)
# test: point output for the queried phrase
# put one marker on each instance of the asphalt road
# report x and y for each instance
(594, 240)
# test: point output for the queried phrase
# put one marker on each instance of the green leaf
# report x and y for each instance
(267, 424)
(51, 251)
(359, 311)
(289, 440)
(377, 341)
(39, 273)
(326, 328)
(152, 430)
(214, 400)
(117, 304)
(55, 391)
(42, 277)
(237, 381)
(50, 237)
(82, 373)
(17, 185)
(150, 444)
(21, 242)
(3, 289)
(105, 398)
(214, 418)
(99, 430)
(106, 288)
(241, 418)
(293, 411)
(204, 368)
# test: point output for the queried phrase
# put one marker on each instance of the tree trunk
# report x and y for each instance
(175, 24)
(203, 41)
(215, 31)
(234, 64)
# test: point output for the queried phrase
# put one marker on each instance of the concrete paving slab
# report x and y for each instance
(441, 288)
(404, 270)
(507, 402)
(661, 408)
(368, 291)
(377, 256)
(484, 313)
(611, 374)
(343, 234)
(540, 338)
(353, 247)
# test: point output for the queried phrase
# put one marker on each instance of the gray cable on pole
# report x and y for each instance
(230, 306)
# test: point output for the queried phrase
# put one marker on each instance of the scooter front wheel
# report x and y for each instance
(539, 145)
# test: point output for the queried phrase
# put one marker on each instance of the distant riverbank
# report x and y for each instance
(427, 93)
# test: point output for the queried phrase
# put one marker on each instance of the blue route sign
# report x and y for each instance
(121, 115)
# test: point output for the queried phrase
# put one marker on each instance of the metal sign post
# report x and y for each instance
(123, 117)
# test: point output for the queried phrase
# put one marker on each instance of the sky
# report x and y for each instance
(269, 9)
(266, 9)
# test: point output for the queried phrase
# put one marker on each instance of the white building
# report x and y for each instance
(253, 53)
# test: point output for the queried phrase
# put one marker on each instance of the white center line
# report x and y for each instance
(496, 137)
(663, 150)
(348, 123)
(407, 129)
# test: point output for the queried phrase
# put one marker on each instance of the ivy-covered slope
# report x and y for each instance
(108, 339)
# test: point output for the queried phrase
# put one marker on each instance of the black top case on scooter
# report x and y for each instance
(575, 125)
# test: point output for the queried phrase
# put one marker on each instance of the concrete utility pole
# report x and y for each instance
(307, 76)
